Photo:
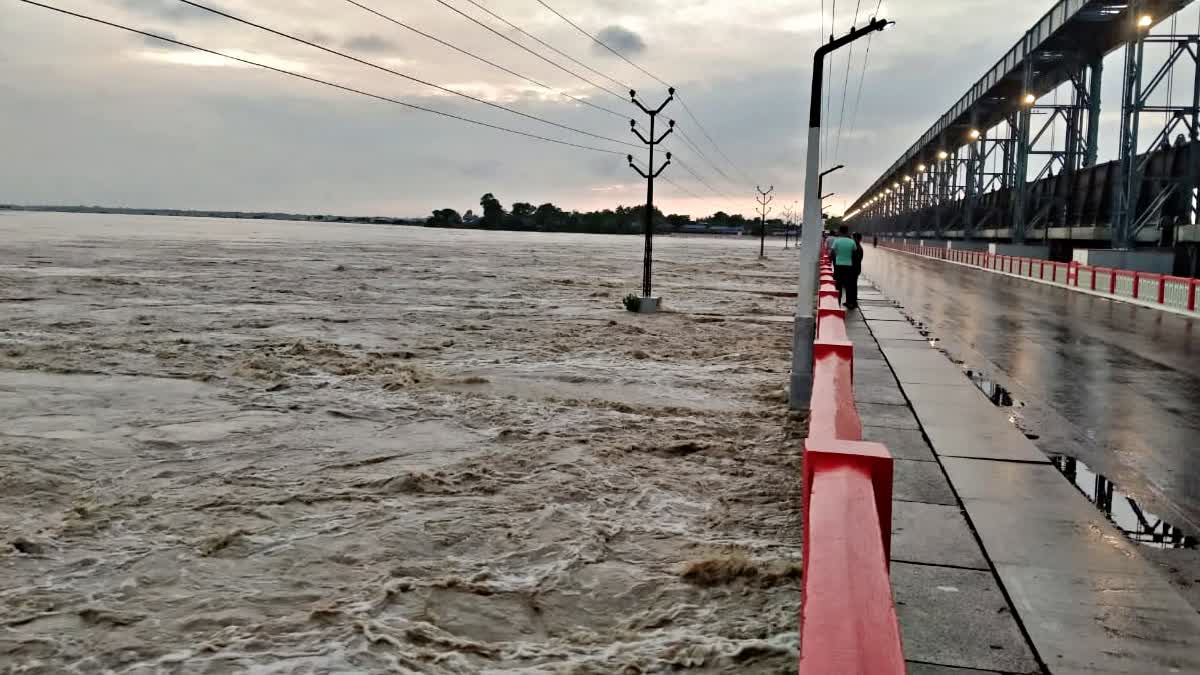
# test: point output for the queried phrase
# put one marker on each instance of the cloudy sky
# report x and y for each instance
(92, 115)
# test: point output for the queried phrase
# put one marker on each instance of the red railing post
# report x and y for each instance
(1162, 289)
(1137, 283)
(1191, 303)
(1112, 281)
(848, 619)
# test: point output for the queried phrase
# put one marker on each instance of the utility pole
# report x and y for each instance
(787, 225)
(764, 198)
(795, 212)
(805, 329)
(650, 174)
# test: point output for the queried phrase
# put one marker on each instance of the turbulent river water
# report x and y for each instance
(281, 447)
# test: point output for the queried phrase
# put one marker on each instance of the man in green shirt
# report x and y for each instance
(842, 249)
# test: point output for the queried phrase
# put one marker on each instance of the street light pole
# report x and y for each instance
(805, 328)
(821, 178)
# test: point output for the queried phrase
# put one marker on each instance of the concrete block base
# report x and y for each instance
(649, 305)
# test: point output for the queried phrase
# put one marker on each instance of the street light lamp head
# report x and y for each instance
(974, 134)
(670, 91)
(630, 158)
(632, 94)
(671, 123)
(632, 123)
(668, 156)
(942, 154)
(896, 185)
(1145, 20)
(1029, 99)
(908, 179)
(920, 168)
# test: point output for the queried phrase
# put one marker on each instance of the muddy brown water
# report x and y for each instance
(269, 447)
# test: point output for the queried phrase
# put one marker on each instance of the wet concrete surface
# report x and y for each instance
(1115, 385)
(952, 610)
(1086, 596)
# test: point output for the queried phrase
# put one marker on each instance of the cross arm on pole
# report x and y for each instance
(637, 132)
(633, 166)
(670, 97)
(660, 169)
(666, 133)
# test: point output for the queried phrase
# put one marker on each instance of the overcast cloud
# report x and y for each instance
(95, 116)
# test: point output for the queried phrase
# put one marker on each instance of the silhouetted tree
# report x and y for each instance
(493, 212)
(444, 218)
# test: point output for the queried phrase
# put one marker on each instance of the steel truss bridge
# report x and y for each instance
(1006, 164)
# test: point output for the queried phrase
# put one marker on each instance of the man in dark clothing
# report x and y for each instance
(852, 299)
(842, 249)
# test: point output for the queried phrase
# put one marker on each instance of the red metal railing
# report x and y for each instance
(1179, 293)
(847, 620)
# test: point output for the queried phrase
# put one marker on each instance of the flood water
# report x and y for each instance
(269, 447)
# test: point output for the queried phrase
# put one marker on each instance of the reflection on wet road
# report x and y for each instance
(1113, 384)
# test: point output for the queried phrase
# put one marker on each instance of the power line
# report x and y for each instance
(552, 48)
(837, 146)
(682, 189)
(604, 75)
(863, 76)
(652, 76)
(602, 43)
(640, 164)
(521, 46)
(710, 138)
(317, 80)
(695, 148)
(483, 60)
(400, 74)
(703, 182)
(688, 142)
(583, 65)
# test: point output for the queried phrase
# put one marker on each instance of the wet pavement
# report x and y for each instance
(1080, 579)
(1113, 386)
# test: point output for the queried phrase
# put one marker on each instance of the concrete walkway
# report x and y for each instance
(986, 527)
(954, 618)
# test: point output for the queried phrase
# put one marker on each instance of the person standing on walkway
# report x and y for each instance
(858, 258)
(843, 248)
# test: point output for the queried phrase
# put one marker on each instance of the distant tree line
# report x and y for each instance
(621, 220)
